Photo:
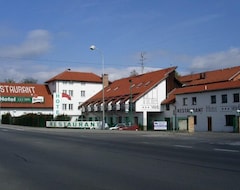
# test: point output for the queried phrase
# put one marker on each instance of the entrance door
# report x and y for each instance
(209, 123)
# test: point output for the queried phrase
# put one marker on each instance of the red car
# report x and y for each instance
(130, 128)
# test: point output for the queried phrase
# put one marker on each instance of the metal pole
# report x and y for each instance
(130, 103)
(93, 47)
(103, 95)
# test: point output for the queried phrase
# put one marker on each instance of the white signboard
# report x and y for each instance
(75, 124)
(160, 125)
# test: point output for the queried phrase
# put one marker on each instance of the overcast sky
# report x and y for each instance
(42, 38)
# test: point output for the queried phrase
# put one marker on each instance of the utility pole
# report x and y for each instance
(142, 59)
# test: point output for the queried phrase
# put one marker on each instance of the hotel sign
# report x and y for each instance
(20, 99)
(14, 99)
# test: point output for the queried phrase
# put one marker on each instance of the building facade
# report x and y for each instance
(60, 95)
(212, 98)
(133, 100)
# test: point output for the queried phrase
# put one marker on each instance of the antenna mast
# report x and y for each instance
(142, 59)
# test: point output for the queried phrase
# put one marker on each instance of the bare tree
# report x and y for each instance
(29, 81)
(9, 81)
(133, 73)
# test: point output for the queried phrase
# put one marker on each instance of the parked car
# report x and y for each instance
(100, 126)
(130, 128)
(117, 126)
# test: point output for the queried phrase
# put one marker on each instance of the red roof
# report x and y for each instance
(26, 91)
(208, 77)
(69, 75)
(140, 84)
(202, 88)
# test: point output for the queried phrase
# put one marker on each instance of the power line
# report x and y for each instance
(59, 61)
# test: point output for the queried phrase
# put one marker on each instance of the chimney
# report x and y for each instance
(105, 80)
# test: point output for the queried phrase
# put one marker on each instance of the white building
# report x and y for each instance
(135, 99)
(70, 89)
(212, 98)
(61, 94)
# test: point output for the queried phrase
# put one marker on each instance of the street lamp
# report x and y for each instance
(130, 103)
(93, 47)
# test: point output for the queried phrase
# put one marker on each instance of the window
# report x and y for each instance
(236, 97)
(213, 99)
(64, 91)
(194, 101)
(70, 92)
(185, 101)
(70, 106)
(224, 98)
(82, 93)
(64, 107)
(229, 120)
(195, 120)
(167, 107)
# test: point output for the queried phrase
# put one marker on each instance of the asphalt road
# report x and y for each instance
(68, 159)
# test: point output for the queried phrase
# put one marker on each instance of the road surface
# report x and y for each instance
(39, 158)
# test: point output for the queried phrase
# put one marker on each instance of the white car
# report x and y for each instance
(116, 127)
(100, 126)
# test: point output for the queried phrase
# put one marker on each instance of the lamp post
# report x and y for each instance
(238, 120)
(130, 103)
(93, 47)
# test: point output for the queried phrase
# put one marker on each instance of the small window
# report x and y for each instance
(70, 92)
(185, 101)
(167, 107)
(64, 107)
(194, 101)
(147, 83)
(70, 106)
(236, 97)
(140, 84)
(82, 93)
(224, 98)
(229, 120)
(213, 99)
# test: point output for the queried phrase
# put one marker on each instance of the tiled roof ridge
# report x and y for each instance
(58, 76)
(211, 71)
(201, 88)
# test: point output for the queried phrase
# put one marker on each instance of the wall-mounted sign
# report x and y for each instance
(38, 99)
(14, 99)
(17, 89)
(57, 103)
(17, 99)
(160, 125)
(75, 124)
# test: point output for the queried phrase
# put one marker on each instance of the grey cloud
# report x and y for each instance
(217, 60)
(37, 42)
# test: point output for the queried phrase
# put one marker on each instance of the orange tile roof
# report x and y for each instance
(208, 77)
(202, 88)
(69, 75)
(26, 91)
(140, 84)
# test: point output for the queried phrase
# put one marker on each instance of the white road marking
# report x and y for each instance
(225, 150)
(182, 146)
